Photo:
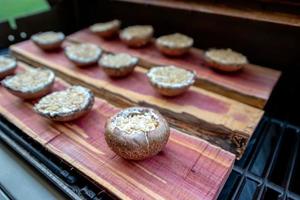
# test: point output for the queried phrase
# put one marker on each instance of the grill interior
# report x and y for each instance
(270, 167)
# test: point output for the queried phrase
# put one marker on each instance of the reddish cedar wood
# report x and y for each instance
(214, 115)
(188, 168)
(252, 86)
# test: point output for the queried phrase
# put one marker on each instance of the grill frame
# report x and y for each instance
(264, 182)
(63, 176)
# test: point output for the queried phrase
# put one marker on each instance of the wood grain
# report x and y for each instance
(188, 168)
(221, 121)
(252, 86)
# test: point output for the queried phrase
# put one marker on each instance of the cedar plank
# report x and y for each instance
(215, 116)
(252, 86)
(163, 176)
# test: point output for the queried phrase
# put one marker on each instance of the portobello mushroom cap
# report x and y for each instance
(137, 36)
(175, 44)
(48, 40)
(137, 133)
(225, 60)
(7, 66)
(66, 105)
(118, 65)
(171, 80)
(31, 84)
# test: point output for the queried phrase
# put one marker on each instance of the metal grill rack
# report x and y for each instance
(269, 168)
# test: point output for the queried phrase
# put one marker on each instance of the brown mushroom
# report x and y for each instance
(66, 105)
(31, 84)
(48, 40)
(170, 80)
(137, 36)
(7, 66)
(174, 44)
(225, 60)
(137, 133)
(106, 29)
(118, 65)
(83, 54)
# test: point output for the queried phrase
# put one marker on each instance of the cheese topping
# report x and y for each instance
(118, 60)
(65, 102)
(171, 76)
(226, 56)
(48, 37)
(83, 52)
(138, 31)
(175, 40)
(7, 63)
(30, 81)
(100, 27)
(135, 120)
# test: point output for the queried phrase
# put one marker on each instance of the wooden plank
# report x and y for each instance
(221, 121)
(188, 168)
(252, 86)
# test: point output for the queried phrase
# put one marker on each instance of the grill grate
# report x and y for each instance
(269, 168)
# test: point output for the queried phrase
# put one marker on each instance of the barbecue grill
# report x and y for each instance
(269, 168)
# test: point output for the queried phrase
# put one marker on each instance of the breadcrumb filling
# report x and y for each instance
(175, 40)
(117, 60)
(83, 52)
(99, 27)
(226, 56)
(48, 37)
(139, 31)
(6, 63)
(64, 102)
(135, 121)
(30, 80)
(171, 76)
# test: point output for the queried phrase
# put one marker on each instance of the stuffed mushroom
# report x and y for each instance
(106, 29)
(225, 60)
(118, 65)
(171, 80)
(137, 133)
(137, 36)
(83, 54)
(30, 84)
(7, 66)
(66, 105)
(174, 44)
(48, 40)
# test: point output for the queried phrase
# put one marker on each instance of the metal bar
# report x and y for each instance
(245, 171)
(4, 194)
(35, 163)
(52, 166)
(265, 179)
(292, 168)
